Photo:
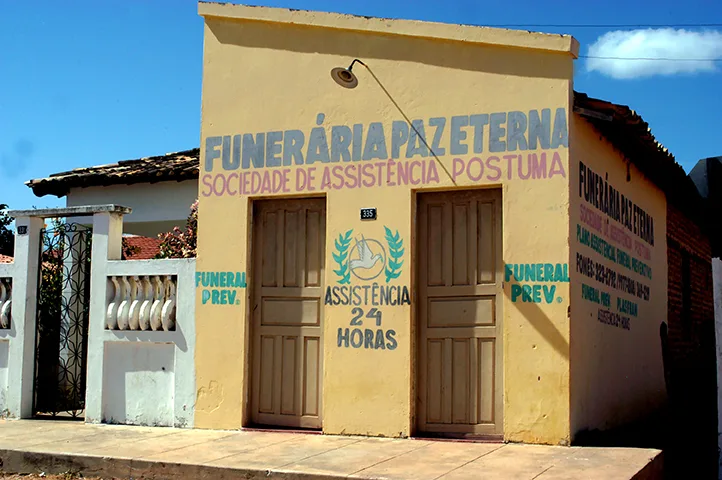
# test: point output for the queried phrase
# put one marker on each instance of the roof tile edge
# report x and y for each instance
(463, 33)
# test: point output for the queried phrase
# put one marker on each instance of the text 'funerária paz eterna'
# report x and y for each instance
(598, 192)
(395, 153)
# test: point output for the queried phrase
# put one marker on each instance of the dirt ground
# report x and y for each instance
(8, 476)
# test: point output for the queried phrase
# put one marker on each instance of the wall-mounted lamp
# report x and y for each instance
(345, 76)
(347, 79)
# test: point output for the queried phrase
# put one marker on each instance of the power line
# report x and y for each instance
(655, 58)
(611, 25)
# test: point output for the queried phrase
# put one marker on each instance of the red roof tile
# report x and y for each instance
(149, 247)
(5, 259)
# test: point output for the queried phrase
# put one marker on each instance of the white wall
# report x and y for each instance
(6, 271)
(139, 384)
(4, 353)
(141, 377)
(157, 207)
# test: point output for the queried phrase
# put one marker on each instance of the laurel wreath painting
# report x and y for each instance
(393, 265)
(396, 252)
(341, 256)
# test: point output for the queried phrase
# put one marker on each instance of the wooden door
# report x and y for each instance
(460, 299)
(288, 263)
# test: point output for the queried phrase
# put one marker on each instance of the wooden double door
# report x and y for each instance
(287, 312)
(460, 299)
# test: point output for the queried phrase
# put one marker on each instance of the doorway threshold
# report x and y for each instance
(280, 429)
(458, 437)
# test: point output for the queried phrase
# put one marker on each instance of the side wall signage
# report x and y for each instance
(484, 147)
(615, 238)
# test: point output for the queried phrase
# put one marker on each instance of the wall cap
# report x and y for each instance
(69, 211)
(411, 28)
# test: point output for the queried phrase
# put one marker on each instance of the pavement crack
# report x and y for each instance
(250, 450)
(317, 454)
(470, 461)
(542, 472)
(389, 459)
(190, 445)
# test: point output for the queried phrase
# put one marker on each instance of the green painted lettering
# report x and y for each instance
(536, 294)
(526, 293)
(549, 291)
(515, 292)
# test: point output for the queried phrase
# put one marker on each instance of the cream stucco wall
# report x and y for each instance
(264, 74)
(619, 285)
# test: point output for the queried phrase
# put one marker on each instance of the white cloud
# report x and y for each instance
(678, 45)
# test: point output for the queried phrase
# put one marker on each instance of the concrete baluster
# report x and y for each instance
(124, 308)
(111, 316)
(5, 303)
(155, 310)
(147, 304)
(168, 312)
(136, 295)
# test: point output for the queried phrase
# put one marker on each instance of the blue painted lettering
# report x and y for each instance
(508, 131)
(478, 122)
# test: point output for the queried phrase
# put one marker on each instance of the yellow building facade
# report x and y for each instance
(405, 249)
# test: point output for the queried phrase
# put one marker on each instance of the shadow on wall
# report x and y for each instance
(447, 54)
(688, 440)
(691, 427)
(138, 383)
(651, 431)
(540, 321)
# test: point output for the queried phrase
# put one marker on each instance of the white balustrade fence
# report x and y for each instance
(142, 302)
(141, 327)
(143, 352)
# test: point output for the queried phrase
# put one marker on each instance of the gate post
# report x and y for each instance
(24, 307)
(107, 245)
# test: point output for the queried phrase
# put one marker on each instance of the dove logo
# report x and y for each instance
(367, 259)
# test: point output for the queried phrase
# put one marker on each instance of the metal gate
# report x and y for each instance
(61, 336)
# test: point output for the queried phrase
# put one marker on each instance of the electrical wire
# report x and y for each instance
(620, 25)
(655, 58)
(411, 124)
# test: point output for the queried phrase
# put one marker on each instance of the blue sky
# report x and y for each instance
(86, 83)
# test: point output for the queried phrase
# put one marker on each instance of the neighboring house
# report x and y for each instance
(159, 189)
(145, 248)
(707, 176)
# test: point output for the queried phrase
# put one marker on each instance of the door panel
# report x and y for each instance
(289, 238)
(459, 319)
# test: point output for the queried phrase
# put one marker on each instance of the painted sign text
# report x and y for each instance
(537, 273)
(220, 288)
(596, 191)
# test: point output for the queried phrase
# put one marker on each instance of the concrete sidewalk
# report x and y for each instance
(28, 446)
